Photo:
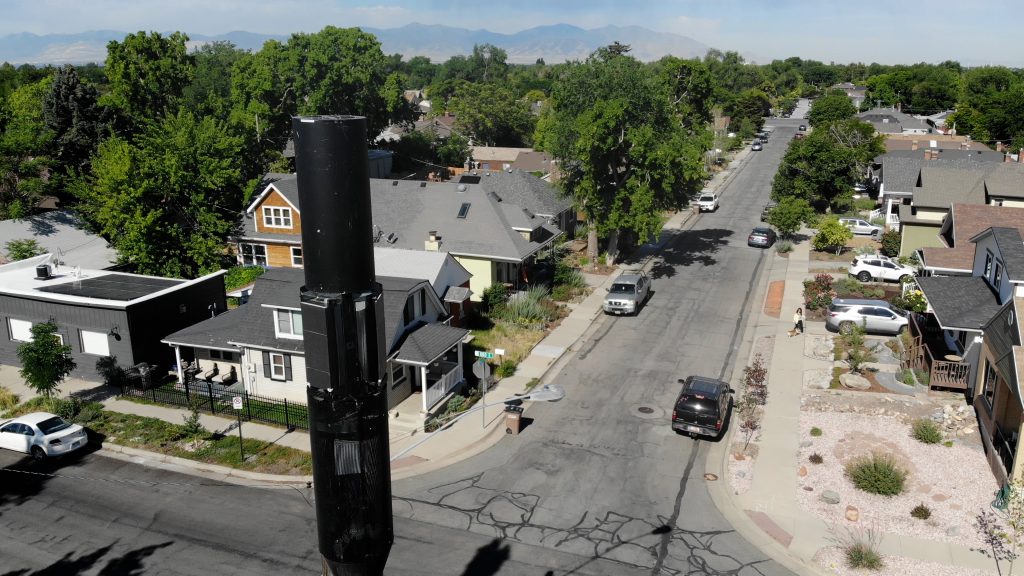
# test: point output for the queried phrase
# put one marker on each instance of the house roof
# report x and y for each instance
(940, 187)
(438, 268)
(523, 189)
(285, 184)
(1005, 180)
(64, 233)
(251, 325)
(1003, 338)
(888, 120)
(429, 342)
(497, 154)
(960, 302)
(944, 144)
(534, 161)
(963, 222)
(1011, 248)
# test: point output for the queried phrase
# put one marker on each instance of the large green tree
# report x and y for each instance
(209, 93)
(823, 167)
(25, 144)
(45, 361)
(690, 89)
(832, 107)
(492, 115)
(147, 74)
(624, 155)
(72, 113)
(169, 200)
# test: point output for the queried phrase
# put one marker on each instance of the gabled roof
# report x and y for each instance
(940, 187)
(1005, 180)
(1011, 248)
(439, 268)
(427, 343)
(888, 120)
(523, 189)
(497, 154)
(960, 302)
(63, 233)
(285, 184)
(1003, 337)
(963, 222)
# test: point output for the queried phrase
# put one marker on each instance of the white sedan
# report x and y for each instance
(42, 435)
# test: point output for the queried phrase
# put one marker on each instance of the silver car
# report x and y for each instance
(627, 293)
(860, 226)
(875, 316)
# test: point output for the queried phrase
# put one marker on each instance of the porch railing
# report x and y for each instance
(941, 373)
(443, 385)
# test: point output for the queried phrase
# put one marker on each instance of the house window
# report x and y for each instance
(988, 265)
(289, 323)
(95, 343)
(297, 256)
(21, 330)
(997, 278)
(397, 374)
(222, 355)
(422, 294)
(253, 254)
(409, 314)
(990, 383)
(277, 217)
(277, 366)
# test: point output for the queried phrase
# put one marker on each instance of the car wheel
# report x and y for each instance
(864, 277)
(38, 454)
(845, 327)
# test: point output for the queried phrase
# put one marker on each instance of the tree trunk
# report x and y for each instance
(613, 248)
(592, 244)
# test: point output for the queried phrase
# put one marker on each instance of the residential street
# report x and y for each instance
(595, 484)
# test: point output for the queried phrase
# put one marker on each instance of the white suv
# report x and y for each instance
(708, 202)
(878, 267)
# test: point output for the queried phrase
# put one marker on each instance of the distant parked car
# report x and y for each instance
(708, 202)
(762, 236)
(702, 407)
(756, 147)
(861, 226)
(802, 128)
(41, 435)
(768, 207)
(628, 293)
(876, 316)
(878, 267)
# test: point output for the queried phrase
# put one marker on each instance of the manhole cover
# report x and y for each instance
(645, 410)
(711, 477)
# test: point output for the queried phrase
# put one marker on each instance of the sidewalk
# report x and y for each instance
(463, 439)
(768, 514)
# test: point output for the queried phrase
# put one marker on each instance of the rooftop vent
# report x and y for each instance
(43, 272)
(461, 188)
(423, 184)
(394, 182)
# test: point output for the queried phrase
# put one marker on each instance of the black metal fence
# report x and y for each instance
(216, 398)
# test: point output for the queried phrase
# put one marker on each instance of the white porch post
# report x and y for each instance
(423, 387)
(458, 375)
(177, 362)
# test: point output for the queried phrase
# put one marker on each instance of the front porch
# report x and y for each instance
(929, 353)
(432, 354)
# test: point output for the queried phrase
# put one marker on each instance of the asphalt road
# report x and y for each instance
(600, 474)
(593, 486)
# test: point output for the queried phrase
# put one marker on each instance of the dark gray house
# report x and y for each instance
(102, 313)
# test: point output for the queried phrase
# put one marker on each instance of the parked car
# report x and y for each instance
(861, 226)
(627, 293)
(42, 435)
(768, 207)
(802, 128)
(762, 236)
(708, 202)
(798, 136)
(860, 188)
(756, 147)
(876, 316)
(878, 267)
(702, 407)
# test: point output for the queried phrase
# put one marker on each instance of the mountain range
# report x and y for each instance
(555, 43)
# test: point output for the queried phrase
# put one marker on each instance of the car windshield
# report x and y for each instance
(619, 288)
(760, 231)
(707, 198)
(51, 425)
(695, 404)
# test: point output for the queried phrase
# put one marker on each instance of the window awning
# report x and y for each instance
(429, 343)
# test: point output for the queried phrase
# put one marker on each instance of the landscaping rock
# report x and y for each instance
(953, 531)
(854, 381)
(852, 514)
(817, 379)
(806, 443)
(802, 471)
(829, 497)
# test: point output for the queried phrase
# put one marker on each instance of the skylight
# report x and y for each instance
(463, 210)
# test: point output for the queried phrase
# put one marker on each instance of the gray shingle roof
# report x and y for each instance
(526, 190)
(887, 120)
(941, 187)
(1011, 248)
(960, 302)
(428, 342)
(900, 169)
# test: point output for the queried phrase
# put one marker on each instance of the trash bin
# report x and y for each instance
(513, 418)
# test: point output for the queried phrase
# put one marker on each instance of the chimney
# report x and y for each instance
(913, 145)
(927, 154)
(433, 242)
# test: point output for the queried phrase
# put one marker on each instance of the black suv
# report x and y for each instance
(702, 407)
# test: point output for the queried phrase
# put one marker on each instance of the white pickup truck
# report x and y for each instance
(707, 202)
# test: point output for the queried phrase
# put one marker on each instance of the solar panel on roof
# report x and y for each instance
(122, 287)
(469, 179)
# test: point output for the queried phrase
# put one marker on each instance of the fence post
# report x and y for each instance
(209, 394)
(152, 391)
(248, 407)
(188, 397)
(286, 424)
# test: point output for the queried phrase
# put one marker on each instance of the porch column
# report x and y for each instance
(458, 375)
(423, 387)
(177, 363)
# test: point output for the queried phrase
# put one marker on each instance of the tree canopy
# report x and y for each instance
(832, 107)
(45, 361)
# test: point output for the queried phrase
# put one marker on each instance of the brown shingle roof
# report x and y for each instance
(969, 220)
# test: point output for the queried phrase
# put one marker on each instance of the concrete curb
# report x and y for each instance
(203, 469)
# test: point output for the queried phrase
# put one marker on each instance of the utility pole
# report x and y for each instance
(343, 320)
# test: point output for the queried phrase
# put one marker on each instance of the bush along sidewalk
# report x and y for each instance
(182, 441)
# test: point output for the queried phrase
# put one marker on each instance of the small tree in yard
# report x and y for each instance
(750, 419)
(755, 380)
(831, 235)
(193, 429)
(891, 241)
(1003, 531)
(857, 353)
(789, 214)
(22, 249)
(45, 361)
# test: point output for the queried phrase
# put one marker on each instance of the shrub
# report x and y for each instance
(907, 377)
(66, 408)
(927, 431)
(819, 292)
(891, 241)
(863, 555)
(240, 276)
(831, 236)
(505, 369)
(816, 431)
(921, 512)
(815, 458)
(561, 293)
(948, 443)
(568, 276)
(783, 246)
(864, 203)
(494, 297)
(8, 399)
(877, 474)
(112, 373)
(527, 307)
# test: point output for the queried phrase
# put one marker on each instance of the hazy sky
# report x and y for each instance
(971, 31)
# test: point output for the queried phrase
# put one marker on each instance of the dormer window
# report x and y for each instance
(288, 324)
(277, 217)
(988, 265)
(997, 278)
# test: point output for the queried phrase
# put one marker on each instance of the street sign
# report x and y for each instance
(499, 351)
(481, 370)
(236, 402)
(481, 354)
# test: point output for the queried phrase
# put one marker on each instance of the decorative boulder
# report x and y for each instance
(852, 514)
(829, 497)
(854, 381)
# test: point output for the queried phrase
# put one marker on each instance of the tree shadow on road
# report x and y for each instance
(128, 564)
(690, 247)
(488, 559)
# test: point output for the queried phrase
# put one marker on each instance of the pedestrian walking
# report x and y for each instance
(798, 322)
